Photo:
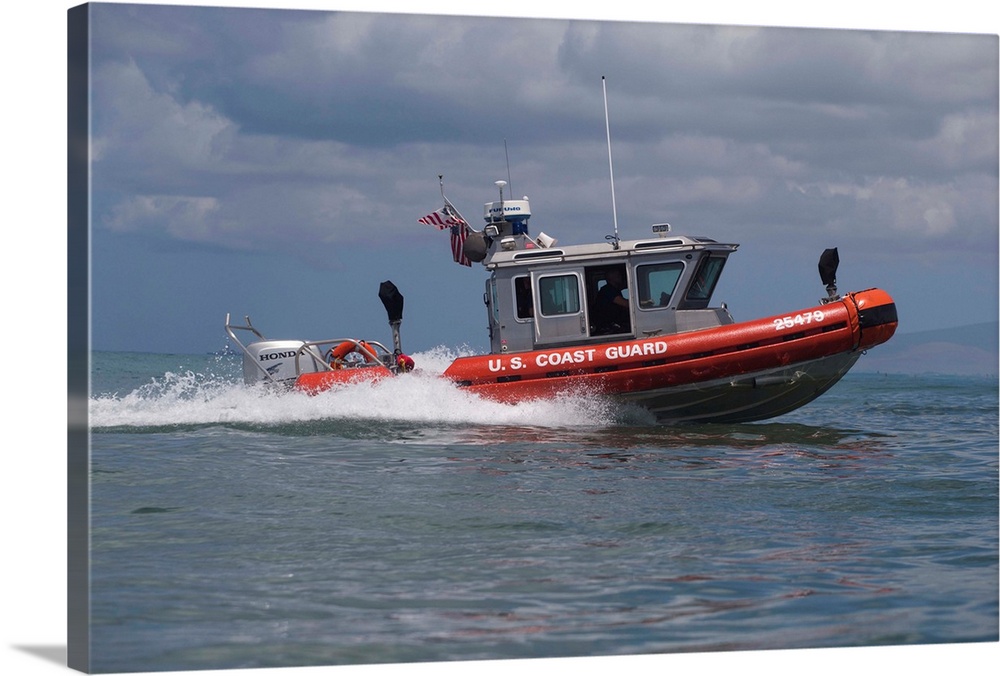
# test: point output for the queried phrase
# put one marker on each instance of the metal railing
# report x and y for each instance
(230, 330)
(381, 356)
(318, 351)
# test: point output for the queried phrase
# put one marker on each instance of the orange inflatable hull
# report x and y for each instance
(734, 373)
(313, 383)
(850, 325)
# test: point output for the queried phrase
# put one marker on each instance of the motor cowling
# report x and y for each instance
(274, 361)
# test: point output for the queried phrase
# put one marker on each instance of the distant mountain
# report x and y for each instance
(964, 350)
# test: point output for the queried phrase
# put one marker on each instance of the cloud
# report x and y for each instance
(141, 130)
(909, 211)
(302, 131)
(183, 217)
(965, 141)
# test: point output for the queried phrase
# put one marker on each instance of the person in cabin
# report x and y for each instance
(612, 307)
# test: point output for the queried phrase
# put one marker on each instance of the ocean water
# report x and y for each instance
(408, 521)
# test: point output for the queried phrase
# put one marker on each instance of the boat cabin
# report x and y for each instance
(540, 295)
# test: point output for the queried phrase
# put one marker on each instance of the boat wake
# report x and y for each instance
(180, 399)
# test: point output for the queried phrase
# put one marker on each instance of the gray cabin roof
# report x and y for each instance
(521, 256)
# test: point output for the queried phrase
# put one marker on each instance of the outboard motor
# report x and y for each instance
(270, 361)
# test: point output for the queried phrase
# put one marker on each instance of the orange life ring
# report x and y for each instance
(338, 353)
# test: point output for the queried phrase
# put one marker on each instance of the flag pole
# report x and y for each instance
(447, 203)
(451, 207)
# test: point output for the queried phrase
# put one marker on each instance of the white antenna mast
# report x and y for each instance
(507, 158)
(501, 184)
(614, 209)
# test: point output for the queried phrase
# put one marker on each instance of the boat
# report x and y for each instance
(631, 320)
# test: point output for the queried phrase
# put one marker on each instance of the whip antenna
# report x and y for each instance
(607, 124)
(507, 158)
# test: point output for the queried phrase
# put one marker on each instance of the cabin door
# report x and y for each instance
(560, 310)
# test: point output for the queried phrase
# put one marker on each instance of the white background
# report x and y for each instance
(33, 324)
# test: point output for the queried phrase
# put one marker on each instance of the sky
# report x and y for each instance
(274, 162)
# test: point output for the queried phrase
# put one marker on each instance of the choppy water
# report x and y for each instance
(409, 521)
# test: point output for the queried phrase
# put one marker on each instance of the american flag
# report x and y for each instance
(458, 235)
(446, 217)
(441, 219)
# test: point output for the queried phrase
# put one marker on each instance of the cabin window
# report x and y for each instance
(524, 306)
(657, 283)
(491, 302)
(559, 295)
(703, 284)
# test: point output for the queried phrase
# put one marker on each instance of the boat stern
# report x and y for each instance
(275, 361)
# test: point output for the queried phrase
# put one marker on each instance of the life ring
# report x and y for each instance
(338, 353)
